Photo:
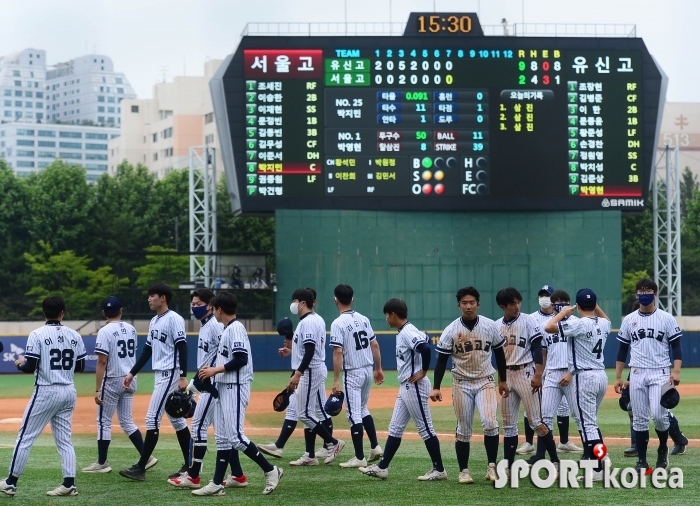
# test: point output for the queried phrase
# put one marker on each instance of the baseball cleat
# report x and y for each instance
(630, 452)
(334, 450)
(375, 472)
(210, 489)
(135, 473)
(272, 479)
(61, 490)
(96, 467)
(7, 489)
(678, 450)
(525, 449)
(185, 481)
(354, 462)
(271, 450)
(597, 476)
(304, 460)
(662, 458)
(641, 466)
(152, 461)
(375, 453)
(568, 447)
(491, 473)
(532, 460)
(236, 481)
(182, 471)
(433, 475)
(322, 453)
(465, 476)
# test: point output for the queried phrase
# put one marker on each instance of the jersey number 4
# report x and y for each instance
(126, 348)
(61, 359)
(361, 341)
(598, 348)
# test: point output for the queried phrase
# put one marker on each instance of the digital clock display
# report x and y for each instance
(409, 123)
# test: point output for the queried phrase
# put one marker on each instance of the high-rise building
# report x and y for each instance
(86, 90)
(22, 82)
(159, 132)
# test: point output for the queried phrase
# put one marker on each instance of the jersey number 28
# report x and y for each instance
(61, 359)
(361, 341)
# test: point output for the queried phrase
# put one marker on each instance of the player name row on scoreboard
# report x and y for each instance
(370, 141)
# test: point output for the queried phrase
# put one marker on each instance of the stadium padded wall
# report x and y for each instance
(424, 257)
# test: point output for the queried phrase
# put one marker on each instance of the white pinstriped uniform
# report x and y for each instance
(117, 341)
(353, 333)
(310, 329)
(207, 346)
(519, 333)
(547, 341)
(57, 348)
(164, 332)
(472, 373)
(412, 401)
(649, 335)
(234, 389)
(586, 338)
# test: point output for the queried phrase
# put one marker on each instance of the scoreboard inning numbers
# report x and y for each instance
(442, 118)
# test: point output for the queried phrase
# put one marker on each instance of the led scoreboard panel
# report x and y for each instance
(434, 122)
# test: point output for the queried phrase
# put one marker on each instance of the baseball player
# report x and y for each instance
(523, 350)
(309, 377)
(53, 353)
(207, 345)
(542, 316)
(116, 354)
(470, 340)
(586, 379)
(233, 372)
(648, 334)
(412, 363)
(167, 345)
(276, 449)
(355, 350)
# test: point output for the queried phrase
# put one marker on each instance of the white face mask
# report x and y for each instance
(545, 302)
(294, 307)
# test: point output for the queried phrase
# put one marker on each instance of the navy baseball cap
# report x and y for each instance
(669, 396)
(546, 288)
(111, 304)
(334, 404)
(586, 297)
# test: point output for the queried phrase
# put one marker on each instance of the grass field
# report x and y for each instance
(330, 484)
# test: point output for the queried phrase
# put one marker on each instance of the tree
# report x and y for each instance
(161, 267)
(689, 183)
(629, 289)
(638, 241)
(69, 275)
(170, 204)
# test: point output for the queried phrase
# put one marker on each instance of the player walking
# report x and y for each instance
(648, 333)
(167, 344)
(233, 373)
(542, 316)
(469, 340)
(54, 353)
(207, 345)
(412, 363)
(585, 337)
(523, 350)
(355, 350)
(116, 351)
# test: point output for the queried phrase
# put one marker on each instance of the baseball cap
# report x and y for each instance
(586, 297)
(669, 396)
(547, 288)
(334, 404)
(281, 401)
(111, 304)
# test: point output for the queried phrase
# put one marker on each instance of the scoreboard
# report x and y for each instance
(442, 118)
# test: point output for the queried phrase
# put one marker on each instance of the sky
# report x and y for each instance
(152, 40)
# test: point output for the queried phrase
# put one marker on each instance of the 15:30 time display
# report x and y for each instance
(437, 23)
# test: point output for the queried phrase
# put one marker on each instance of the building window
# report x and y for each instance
(29, 104)
(18, 114)
(95, 156)
(46, 133)
(39, 115)
(96, 136)
(118, 80)
(28, 114)
(71, 145)
(24, 131)
(8, 114)
(100, 108)
(41, 165)
(114, 136)
(18, 83)
(18, 93)
(208, 118)
(110, 99)
(209, 139)
(24, 163)
(155, 137)
(18, 103)
(21, 152)
(47, 154)
(120, 90)
(47, 144)
(15, 73)
(95, 146)
(167, 133)
(71, 156)
(100, 98)
(134, 108)
(28, 94)
(39, 105)
(110, 110)
(71, 135)
(100, 119)
(155, 157)
(8, 103)
(39, 94)
(102, 88)
(23, 142)
(95, 166)
(110, 120)
(7, 93)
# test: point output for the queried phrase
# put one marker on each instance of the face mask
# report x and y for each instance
(294, 308)
(646, 299)
(200, 311)
(545, 302)
(560, 306)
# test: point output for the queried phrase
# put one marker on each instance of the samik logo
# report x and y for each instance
(568, 475)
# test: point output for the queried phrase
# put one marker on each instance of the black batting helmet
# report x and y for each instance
(180, 404)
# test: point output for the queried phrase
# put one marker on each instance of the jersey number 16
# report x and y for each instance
(361, 341)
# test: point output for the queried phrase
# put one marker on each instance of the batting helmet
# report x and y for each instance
(624, 399)
(180, 404)
(334, 404)
(669, 396)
